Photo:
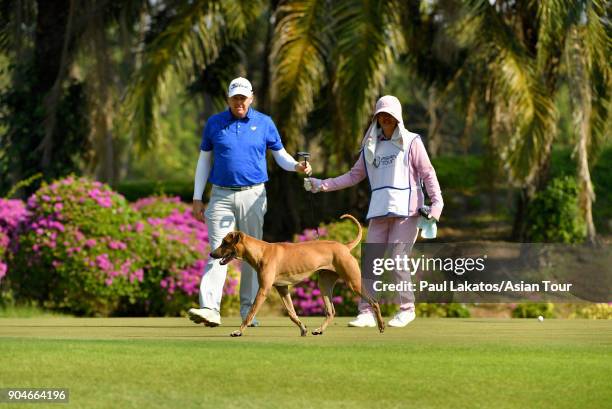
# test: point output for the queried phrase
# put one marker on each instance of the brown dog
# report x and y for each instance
(284, 264)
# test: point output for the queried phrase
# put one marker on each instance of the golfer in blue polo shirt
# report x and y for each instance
(233, 159)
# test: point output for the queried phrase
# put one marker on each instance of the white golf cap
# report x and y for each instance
(240, 86)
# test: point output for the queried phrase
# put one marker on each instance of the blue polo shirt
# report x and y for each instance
(239, 147)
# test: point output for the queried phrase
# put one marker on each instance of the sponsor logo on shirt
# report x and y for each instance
(384, 161)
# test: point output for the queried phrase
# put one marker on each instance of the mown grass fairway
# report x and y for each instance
(433, 363)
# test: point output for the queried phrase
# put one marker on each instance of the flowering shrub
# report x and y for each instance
(181, 245)
(306, 296)
(158, 206)
(84, 249)
(12, 213)
(75, 249)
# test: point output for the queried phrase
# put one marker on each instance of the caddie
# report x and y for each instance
(396, 164)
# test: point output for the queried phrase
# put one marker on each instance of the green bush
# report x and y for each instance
(563, 164)
(459, 172)
(602, 181)
(451, 310)
(599, 311)
(554, 215)
(533, 310)
(133, 190)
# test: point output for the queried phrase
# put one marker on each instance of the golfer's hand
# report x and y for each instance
(312, 185)
(301, 168)
(198, 210)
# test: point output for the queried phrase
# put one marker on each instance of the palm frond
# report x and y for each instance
(555, 17)
(239, 14)
(598, 48)
(191, 38)
(368, 39)
(17, 22)
(299, 52)
(513, 74)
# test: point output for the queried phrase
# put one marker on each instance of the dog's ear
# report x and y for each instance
(230, 237)
(236, 237)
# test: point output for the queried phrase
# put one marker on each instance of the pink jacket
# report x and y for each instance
(422, 169)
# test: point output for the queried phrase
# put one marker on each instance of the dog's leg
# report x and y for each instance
(327, 280)
(262, 293)
(353, 280)
(375, 307)
(283, 291)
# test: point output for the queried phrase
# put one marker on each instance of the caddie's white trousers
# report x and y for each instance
(400, 233)
(230, 210)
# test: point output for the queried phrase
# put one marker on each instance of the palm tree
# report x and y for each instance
(184, 39)
(316, 44)
(590, 79)
(346, 47)
(332, 58)
(522, 44)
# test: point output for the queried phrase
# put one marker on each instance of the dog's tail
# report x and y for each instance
(357, 240)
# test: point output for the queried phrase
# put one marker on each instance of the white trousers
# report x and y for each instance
(400, 233)
(230, 210)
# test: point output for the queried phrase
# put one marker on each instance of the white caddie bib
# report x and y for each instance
(389, 177)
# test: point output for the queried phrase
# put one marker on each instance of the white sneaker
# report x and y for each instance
(210, 318)
(365, 319)
(402, 318)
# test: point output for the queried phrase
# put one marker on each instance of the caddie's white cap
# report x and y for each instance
(240, 86)
(390, 105)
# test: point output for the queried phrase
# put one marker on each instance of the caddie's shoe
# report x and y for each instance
(365, 319)
(206, 316)
(402, 318)
(254, 323)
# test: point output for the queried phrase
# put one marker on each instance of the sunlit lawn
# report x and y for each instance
(433, 363)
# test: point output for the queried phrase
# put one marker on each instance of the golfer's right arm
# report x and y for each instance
(201, 177)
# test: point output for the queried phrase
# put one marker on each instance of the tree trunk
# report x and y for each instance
(102, 101)
(283, 216)
(585, 185)
(581, 97)
(51, 59)
(51, 23)
(433, 134)
(464, 139)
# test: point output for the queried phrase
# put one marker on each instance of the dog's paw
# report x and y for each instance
(236, 333)
(317, 331)
(303, 332)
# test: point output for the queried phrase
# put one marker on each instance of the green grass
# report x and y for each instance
(433, 363)
(26, 311)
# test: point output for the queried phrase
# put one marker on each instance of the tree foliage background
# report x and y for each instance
(120, 90)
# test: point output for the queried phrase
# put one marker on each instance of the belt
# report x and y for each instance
(239, 188)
